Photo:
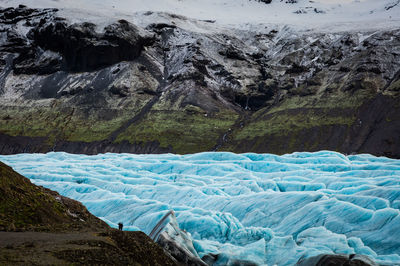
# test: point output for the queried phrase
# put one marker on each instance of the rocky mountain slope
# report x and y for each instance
(40, 227)
(24, 206)
(174, 84)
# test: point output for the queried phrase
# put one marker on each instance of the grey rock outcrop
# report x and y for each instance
(337, 260)
(52, 44)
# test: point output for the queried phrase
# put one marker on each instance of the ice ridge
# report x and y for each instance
(262, 208)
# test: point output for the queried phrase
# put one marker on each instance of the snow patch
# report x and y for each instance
(335, 15)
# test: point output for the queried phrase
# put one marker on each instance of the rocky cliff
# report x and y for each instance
(180, 85)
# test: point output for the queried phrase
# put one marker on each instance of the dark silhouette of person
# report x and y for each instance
(120, 226)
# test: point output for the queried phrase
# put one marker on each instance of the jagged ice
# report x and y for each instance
(263, 208)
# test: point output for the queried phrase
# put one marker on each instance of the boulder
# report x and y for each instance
(337, 260)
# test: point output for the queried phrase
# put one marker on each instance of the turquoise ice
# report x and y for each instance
(264, 208)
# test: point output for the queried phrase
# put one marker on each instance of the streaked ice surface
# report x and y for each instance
(263, 208)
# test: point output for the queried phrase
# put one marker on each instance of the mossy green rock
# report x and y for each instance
(26, 207)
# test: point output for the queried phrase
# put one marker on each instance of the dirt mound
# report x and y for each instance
(26, 207)
(41, 227)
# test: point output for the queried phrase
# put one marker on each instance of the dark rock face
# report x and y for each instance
(83, 49)
(31, 63)
(164, 88)
(181, 255)
(27, 57)
(21, 13)
(54, 45)
(266, 1)
(210, 259)
(337, 260)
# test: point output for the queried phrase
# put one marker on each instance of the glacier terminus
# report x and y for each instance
(262, 209)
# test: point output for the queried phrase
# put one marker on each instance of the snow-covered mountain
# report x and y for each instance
(151, 82)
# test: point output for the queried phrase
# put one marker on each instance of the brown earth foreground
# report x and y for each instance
(108, 248)
(40, 227)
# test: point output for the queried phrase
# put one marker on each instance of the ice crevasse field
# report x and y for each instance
(263, 208)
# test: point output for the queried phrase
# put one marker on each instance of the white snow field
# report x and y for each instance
(320, 15)
(264, 208)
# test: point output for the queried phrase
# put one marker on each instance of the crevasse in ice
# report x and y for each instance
(264, 208)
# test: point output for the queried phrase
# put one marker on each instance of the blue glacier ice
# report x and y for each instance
(264, 208)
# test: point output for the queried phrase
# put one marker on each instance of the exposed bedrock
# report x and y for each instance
(338, 260)
(51, 44)
(83, 49)
(183, 86)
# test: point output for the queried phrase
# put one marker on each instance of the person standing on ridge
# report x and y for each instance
(120, 226)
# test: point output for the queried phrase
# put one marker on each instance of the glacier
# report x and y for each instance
(333, 15)
(262, 208)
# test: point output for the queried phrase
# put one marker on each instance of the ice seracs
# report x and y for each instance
(260, 208)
